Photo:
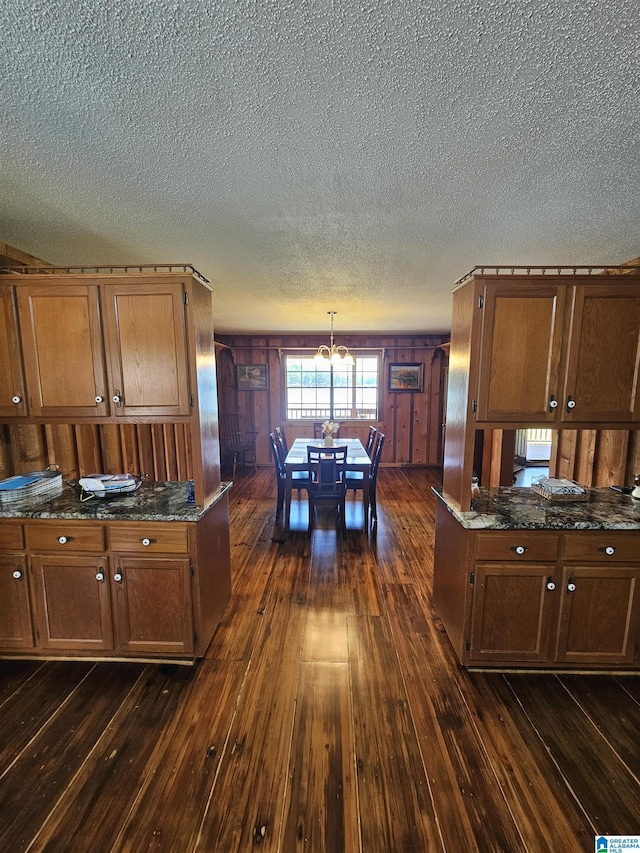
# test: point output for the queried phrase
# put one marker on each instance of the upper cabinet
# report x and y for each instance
(93, 349)
(146, 343)
(558, 352)
(12, 391)
(520, 351)
(603, 355)
(63, 350)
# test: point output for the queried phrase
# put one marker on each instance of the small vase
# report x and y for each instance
(328, 440)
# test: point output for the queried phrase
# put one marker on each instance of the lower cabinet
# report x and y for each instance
(16, 631)
(153, 605)
(152, 590)
(536, 598)
(71, 602)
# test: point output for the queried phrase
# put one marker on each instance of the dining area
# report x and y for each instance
(323, 471)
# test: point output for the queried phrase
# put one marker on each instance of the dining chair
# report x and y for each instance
(317, 430)
(370, 440)
(281, 437)
(299, 479)
(237, 439)
(354, 479)
(327, 468)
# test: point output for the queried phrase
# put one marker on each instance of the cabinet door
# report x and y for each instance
(599, 615)
(601, 381)
(513, 605)
(73, 609)
(63, 352)
(147, 345)
(520, 352)
(12, 394)
(15, 612)
(154, 606)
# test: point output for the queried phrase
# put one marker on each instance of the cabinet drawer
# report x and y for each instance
(517, 545)
(11, 536)
(602, 546)
(64, 535)
(150, 538)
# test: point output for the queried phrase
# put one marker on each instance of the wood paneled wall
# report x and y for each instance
(160, 450)
(592, 457)
(597, 457)
(412, 422)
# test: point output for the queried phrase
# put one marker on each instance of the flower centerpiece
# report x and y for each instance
(329, 428)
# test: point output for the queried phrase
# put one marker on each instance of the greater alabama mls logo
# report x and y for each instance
(617, 843)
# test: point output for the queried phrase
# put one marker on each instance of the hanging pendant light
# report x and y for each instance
(335, 355)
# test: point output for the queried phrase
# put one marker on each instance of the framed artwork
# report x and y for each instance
(252, 377)
(406, 377)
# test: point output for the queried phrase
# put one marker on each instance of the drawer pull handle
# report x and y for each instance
(609, 550)
(550, 585)
(17, 574)
(100, 577)
(146, 541)
(64, 539)
(117, 577)
(571, 587)
(519, 549)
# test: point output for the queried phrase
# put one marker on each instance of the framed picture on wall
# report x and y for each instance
(252, 377)
(406, 377)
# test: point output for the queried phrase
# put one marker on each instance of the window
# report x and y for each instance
(346, 392)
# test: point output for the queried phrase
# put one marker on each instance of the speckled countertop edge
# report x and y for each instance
(513, 508)
(154, 501)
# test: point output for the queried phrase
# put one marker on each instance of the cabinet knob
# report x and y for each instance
(17, 574)
(609, 550)
(147, 541)
(16, 399)
(550, 585)
(117, 398)
(519, 549)
(64, 539)
(100, 577)
(99, 399)
(571, 587)
(571, 403)
(553, 403)
(117, 577)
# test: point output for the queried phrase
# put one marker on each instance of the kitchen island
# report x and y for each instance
(144, 576)
(522, 582)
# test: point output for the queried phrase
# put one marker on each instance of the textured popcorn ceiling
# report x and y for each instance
(309, 155)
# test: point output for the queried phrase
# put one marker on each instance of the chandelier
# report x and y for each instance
(336, 355)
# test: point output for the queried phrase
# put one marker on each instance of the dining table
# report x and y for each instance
(357, 460)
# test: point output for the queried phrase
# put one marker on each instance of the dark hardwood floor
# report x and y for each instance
(329, 715)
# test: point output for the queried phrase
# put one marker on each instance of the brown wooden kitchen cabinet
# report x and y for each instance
(135, 366)
(114, 347)
(558, 353)
(149, 590)
(63, 350)
(147, 350)
(16, 631)
(551, 349)
(72, 604)
(12, 389)
(539, 598)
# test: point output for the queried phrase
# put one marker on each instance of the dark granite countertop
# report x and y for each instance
(154, 501)
(514, 508)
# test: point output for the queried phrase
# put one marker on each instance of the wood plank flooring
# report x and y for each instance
(329, 715)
